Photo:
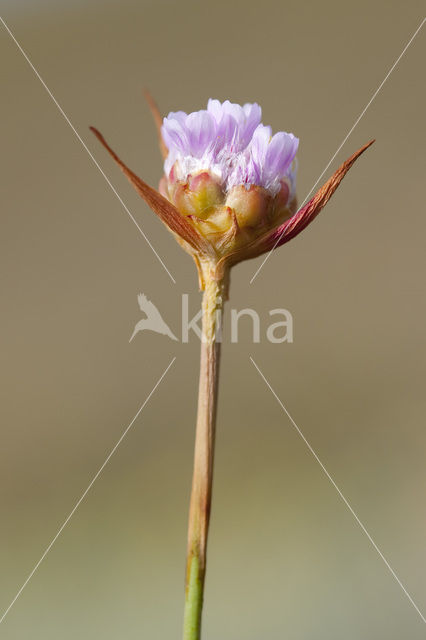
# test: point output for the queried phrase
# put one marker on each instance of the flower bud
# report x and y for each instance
(281, 199)
(283, 205)
(250, 205)
(197, 195)
(163, 187)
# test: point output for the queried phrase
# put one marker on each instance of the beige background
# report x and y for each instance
(286, 559)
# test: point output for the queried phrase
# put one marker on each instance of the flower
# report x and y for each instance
(228, 189)
(227, 172)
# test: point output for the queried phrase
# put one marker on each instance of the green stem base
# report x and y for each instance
(193, 602)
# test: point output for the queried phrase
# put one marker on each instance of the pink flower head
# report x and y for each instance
(230, 142)
(228, 190)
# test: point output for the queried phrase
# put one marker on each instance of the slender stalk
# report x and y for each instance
(199, 511)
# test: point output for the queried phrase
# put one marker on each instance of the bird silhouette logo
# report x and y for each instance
(153, 320)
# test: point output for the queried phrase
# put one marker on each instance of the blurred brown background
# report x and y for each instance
(286, 558)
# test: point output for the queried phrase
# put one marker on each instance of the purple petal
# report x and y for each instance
(235, 110)
(253, 115)
(227, 131)
(201, 128)
(215, 108)
(180, 116)
(259, 146)
(247, 118)
(280, 153)
(175, 135)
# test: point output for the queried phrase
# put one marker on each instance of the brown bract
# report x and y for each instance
(167, 213)
(300, 220)
(158, 120)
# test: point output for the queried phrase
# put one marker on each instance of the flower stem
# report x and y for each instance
(199, 511)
